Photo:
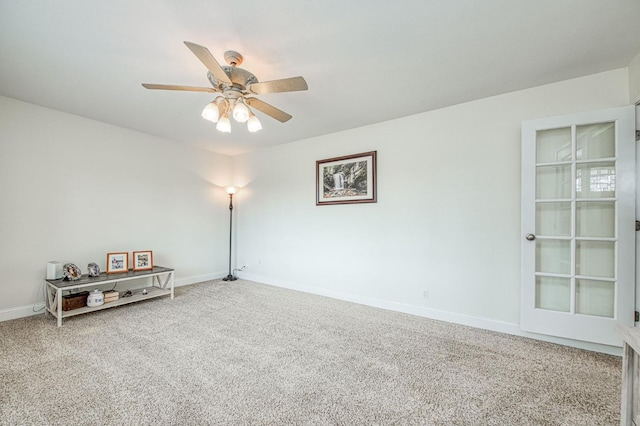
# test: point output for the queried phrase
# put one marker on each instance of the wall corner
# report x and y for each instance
(634, 80)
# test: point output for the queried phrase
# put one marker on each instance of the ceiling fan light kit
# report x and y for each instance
(235, 84)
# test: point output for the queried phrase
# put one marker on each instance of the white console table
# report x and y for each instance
(54, 289)
(630, 398)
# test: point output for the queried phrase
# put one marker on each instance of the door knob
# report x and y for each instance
(530, 237)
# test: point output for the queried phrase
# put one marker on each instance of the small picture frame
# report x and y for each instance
(117, 262)
(346, 180)
(142, 260)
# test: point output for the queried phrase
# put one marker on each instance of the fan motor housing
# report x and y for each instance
(239, 77)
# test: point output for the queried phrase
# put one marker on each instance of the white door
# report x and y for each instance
(578, 219)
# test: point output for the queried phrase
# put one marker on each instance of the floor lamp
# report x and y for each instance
(230, 190)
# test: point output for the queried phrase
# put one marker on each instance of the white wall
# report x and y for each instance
(447, 218)
(73, 189)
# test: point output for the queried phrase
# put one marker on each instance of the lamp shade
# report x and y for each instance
(240, 112)
(211, 112)
(224, 125)
(254, 124)
(231, 190)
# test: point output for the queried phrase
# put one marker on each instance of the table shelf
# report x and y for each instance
(152, 292)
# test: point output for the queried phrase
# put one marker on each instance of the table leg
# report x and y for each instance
(59, 307)
(626, 412)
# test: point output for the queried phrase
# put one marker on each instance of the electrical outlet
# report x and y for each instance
(425, 294)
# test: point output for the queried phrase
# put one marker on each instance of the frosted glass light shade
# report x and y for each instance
(211, 112)
(254, 124)
(240, 112)
(231, 190)
(224, 125)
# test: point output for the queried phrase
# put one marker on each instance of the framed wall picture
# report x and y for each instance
(117, 262)
(142, 260)
(346, 180)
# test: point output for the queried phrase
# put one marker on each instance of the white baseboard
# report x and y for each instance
(21, 311)
(199, 278)
(471, 321)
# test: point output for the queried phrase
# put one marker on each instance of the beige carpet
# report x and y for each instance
(246, 353)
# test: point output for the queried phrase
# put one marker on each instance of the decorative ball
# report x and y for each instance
(93, 269)
(71, 272)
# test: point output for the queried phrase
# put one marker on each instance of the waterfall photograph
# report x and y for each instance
(346, 179)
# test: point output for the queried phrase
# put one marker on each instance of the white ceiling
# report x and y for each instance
(364, 61)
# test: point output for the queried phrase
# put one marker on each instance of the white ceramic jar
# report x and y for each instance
(95, 298)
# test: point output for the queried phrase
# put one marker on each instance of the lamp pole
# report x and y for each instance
(230, 190)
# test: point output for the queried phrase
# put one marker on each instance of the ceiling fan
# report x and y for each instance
(235, 86)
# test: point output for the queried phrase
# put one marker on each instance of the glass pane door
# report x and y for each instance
(579, 221)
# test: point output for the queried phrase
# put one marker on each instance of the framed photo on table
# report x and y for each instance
(117, 262)
(346, 180)
(142, 260)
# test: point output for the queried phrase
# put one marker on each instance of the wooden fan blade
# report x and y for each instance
(292, 84)
(268, 109)
(209, 61)
(182, 88)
